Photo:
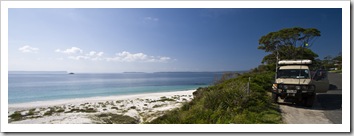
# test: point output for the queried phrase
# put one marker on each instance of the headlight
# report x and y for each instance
(298, 87)
(285, 86)
(274, 87)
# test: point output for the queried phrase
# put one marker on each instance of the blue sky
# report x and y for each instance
(151, 40)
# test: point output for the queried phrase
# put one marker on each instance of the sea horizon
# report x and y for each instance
(124, 72)
(31, 87)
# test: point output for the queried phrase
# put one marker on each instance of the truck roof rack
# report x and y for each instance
(295, 62)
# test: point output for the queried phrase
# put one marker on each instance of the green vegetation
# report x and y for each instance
(109, 118)
(229, 102)
(163, 99)
(16, 116)
(31, 112)
(132, 107)
(245, 98)
(86, 110)
(159, 105)
(334, 64)
(289, 43)
(114, 108)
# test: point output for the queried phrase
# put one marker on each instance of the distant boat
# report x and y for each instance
(71, 73)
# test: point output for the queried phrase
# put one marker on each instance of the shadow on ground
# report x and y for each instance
(330, 101)
(324, 101)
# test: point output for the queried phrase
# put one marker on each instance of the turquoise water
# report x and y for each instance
(43, 87)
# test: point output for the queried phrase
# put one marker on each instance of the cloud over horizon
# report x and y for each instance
(76, 53)
(28, 49)
(72, 50)
(137, 57)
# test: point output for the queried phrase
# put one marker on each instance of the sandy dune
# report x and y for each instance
(142, 107)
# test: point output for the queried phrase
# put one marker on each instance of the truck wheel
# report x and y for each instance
(275, 98)
(310, 100)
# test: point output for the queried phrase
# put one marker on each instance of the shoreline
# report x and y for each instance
(91, 99)
(141, 107)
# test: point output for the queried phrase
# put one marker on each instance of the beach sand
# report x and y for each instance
(141, 108)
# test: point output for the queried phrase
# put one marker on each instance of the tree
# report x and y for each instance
(338, 61)
(289, 43)
(330, 62)
(299, 53)
(327, 62)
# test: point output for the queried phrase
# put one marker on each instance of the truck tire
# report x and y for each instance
(275, 98)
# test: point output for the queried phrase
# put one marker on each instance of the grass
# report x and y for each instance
(109, 118)
(87, 110)
(229, 102)
(132, 107)
(16, 116)
(163, 99)
(158, 105)
(114, 108)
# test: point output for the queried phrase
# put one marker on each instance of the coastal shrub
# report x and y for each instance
(114, 108)
(163, 99)
(88, 110)
(31, 112)
(109, 118)
(60, 110)
(16, 116)
(48, 113)
(132, 107)
(158, 105)
(229, 102)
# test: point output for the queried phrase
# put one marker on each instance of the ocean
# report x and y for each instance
(45, 87)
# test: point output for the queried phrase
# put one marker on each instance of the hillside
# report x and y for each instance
(228, 102)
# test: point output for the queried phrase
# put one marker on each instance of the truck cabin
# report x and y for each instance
(294, 71)
(297, 69)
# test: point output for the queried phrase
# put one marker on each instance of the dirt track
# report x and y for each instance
(326, 110)
(301, 115)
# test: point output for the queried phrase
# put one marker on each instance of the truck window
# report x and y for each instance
(293, 73)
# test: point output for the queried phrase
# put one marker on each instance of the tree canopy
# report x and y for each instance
(290, 43)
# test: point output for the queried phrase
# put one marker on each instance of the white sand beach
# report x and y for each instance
(142, 107)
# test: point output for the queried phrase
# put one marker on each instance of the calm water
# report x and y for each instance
(42, 87)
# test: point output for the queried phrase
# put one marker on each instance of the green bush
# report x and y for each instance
(16, 116)
(109, 118)
(229, 102)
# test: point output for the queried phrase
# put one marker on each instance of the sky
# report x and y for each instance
(157, 40)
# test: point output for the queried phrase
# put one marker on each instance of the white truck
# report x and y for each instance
(296, 83)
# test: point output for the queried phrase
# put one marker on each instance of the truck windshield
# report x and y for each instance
(293, 73)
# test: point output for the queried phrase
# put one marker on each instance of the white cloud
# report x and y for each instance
(78, 54)
(75, 53)
(129, 57)
(151, 19)
(28, 49)
(79, 57)
(92, 55)
(100, 54)
(137, 57)
(72, 50)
